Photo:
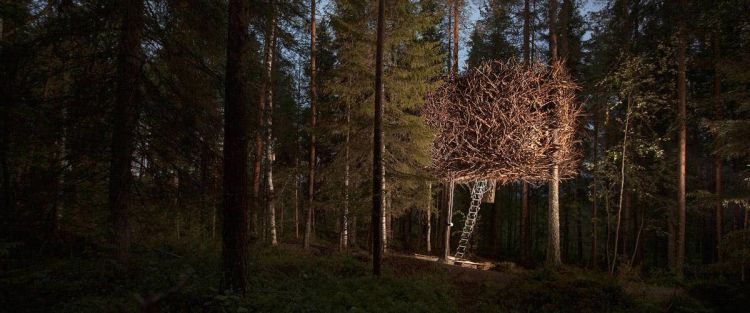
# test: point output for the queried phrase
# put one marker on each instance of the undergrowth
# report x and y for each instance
(295, 281)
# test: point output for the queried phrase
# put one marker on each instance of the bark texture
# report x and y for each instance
(682, 124)
(377, 161)
(234, 230)
(128, 99)
(313, 122)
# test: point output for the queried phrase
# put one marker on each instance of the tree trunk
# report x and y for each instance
(608, 229)
(526, 32)
(525, 242)
(456, 18)
(533, 31)
(384, 215)
(497, 222)
(345, 218)
(565, 236)
(622, 186)
(265, 84)
(5, 196)
(682, 122)
(407, 230)
(553, 235)
(552, 30)
(719, 111)
(270, 155)
(448, 222)
(296, 196)
(234, 231)
(428, 236)
(744, 241)
(354, 232)
(377, 159)
(628, 227)
(579, 223)
(176, 203)
(313, 121)
(595, 194)
(640, 242)
(128, 99)
(565, 13)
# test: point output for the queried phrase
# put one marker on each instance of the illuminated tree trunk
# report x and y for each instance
(682, 124)
(553, 232)
(553, 236)
(270, 194)
(525, 242)
(456, 12)
(345, 218)
(265, 84)
(448, 221)
(622, 187)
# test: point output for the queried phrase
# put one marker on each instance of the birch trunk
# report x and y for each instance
(622, 187)
(448, 222)
(270, 155)
(345, 218)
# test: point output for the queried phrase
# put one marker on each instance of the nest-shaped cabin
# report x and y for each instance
(505, 121)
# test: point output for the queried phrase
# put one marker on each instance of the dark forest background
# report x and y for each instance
(113, 155)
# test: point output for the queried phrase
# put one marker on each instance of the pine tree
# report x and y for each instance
(234, 251)
(491, 36)
(128, 100)
(313, 122)
(682, 124)
(553, 232)
(411, 61)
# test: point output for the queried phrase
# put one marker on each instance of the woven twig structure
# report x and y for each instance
(505, 121)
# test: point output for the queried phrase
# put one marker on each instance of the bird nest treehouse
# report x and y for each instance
(503, 122)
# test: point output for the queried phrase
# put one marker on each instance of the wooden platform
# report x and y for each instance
(452, 260)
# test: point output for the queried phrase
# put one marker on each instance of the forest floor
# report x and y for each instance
(185, 278)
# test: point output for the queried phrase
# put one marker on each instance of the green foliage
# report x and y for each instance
(279, 282)
(412, 62)
(491, 36)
